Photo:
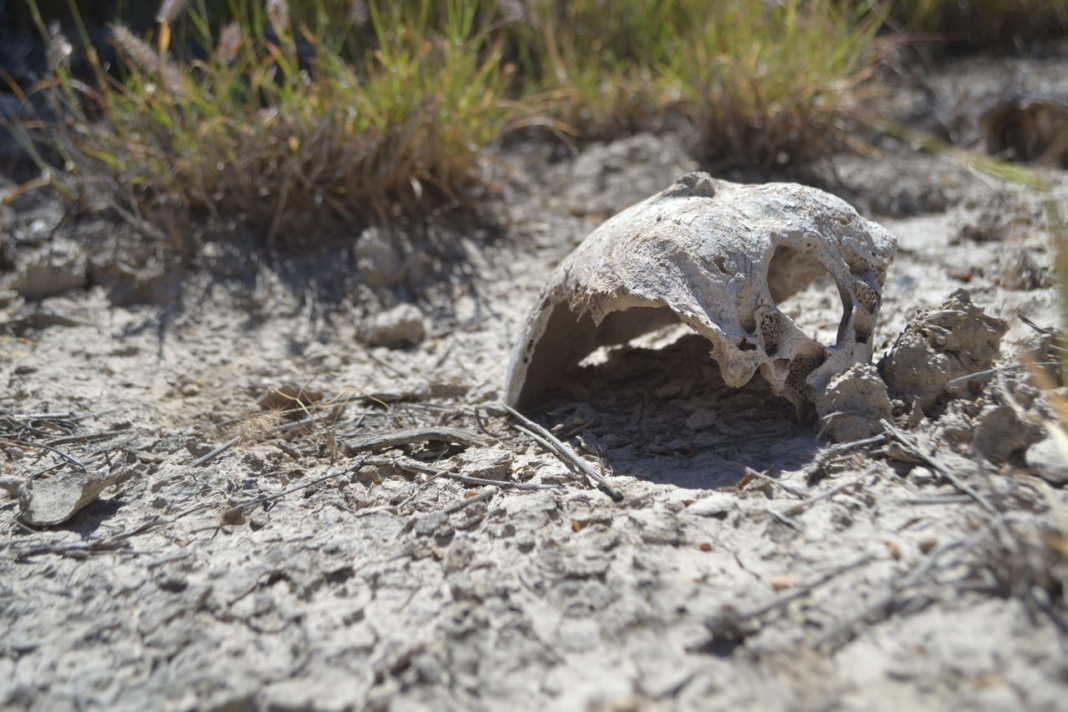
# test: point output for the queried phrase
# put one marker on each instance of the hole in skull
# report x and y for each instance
(803, 290)
(657, 408)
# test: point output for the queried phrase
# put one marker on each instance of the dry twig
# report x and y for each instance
(561, 450)
(407, 463)
(913, 450)
(411, 436)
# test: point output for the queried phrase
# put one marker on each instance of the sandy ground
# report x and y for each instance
(302, 569)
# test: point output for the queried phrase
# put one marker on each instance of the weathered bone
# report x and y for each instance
(718, 256)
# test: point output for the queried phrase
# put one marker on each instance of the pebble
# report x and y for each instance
(400, 326)
(717, 504)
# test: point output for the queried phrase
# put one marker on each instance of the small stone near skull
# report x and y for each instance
(52, 501)
(487, 463)
(717, 504)
(1048, 461)
(52, 269)
(398, 327)
(999, 433)
(954, 340)
(854, 404)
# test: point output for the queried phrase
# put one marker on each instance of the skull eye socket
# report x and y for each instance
(801, 288)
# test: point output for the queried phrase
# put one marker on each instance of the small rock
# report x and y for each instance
(398, 327)
(488, 463)
(717, 504)
(554, 474)
(856, 401)
(1019, 270)
(923, 477)
(427, 524)
(53, 269)
(999, 433)
(1048, 461)
(234, 516)
(607, 177)
(52, 501)
(379, 259)
(940, 344)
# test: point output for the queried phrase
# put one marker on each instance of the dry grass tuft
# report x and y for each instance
(766, 84)
(759, 81)
(979, 23)
(1029, 563)
(289, 116)
(273, 127)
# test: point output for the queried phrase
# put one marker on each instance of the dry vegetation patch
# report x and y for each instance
(362, 112)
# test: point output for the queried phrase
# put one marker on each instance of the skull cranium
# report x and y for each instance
(719, 257)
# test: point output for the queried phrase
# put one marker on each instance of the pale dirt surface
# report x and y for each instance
(872, 584)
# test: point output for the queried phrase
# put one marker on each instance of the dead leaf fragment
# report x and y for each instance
(291, 398)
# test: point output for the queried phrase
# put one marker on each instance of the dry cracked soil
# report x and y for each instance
(317, 505)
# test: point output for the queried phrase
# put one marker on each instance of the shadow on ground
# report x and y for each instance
(665, 415)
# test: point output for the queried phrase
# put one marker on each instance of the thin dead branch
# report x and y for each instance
(205, 459)
(818, 469)
(913, 450)
(483, 496)
(566, 455)
(407, 463)
(413, 436)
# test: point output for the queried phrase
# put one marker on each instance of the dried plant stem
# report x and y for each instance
(561, 450)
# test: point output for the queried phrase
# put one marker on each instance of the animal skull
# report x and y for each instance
(720, 257)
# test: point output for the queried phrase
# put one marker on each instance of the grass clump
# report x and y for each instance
(763, 83)
(773, 82)
(268, 124)
(975, 23)
(273, 112)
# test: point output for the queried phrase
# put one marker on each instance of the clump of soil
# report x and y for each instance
(939, 348)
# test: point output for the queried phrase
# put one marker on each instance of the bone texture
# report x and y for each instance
(719, 257)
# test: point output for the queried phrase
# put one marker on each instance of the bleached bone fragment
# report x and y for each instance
(719, 257)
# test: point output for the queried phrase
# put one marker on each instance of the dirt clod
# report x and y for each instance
(854, 404)
(491, 463)
(999, 432)
(53, 268)
(379, 260)
(291, 398)
(955, 340)
(401, 326)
